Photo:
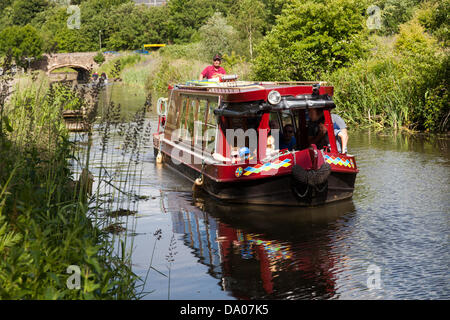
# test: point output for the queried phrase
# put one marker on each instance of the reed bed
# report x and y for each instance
(55, 210)
(395, 88)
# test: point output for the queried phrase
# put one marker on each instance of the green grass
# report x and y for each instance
(394, 88)
(47, 220)
(64, 70)
(115, 66)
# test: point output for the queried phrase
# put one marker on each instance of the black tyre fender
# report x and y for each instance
(311, 177)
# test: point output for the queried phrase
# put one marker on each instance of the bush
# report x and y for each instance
(433, 16)
(398, 86)
(191, 51)
(114, 67)
(99, 58)
(217, 36)
(21, 43)
(311, 37)
(45, 225)
(395, 12)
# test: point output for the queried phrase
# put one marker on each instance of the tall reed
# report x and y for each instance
(47, 221)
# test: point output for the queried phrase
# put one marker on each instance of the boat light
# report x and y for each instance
(274, 97)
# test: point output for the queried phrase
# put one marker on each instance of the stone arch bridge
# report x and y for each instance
(82, 62)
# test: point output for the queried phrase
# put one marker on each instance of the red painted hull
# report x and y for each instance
(268, 183)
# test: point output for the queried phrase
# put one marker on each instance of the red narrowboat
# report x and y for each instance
(250, 142)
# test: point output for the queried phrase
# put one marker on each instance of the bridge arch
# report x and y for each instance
(83, 71)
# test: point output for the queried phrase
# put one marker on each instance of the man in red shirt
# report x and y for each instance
(213, 71)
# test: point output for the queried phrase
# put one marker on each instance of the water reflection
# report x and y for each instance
(261, 252)
(397, 220)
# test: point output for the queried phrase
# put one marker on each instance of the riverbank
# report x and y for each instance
(390, 88)
(170, 65)
(53, 242)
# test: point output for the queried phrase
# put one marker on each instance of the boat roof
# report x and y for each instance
(244, 91)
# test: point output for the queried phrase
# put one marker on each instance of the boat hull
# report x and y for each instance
(280, 190)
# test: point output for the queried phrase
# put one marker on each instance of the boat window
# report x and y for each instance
(302, 129)
(182, 117)
(202, 106)
(200, 118)
(211, 126)
(288, 134)
(190, 119)
(245, 133)
(274, 125)
(313, 129)
(172, 112)
(286, 118)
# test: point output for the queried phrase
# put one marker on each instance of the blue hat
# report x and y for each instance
(244, 152)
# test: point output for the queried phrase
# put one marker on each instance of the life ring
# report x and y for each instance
(162, 102)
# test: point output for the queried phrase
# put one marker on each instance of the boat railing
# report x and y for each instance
(322, 83)
(237, 86)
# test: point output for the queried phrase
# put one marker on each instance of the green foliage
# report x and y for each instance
(412, 39)
(395, 12)
(44, 226)
(274, 9)
(217, 36)
(115, 66)
(230, 61)
(187, 16)
(94, 20)
(433, 16)
(63, 97)
(193, 51)
(250, 17)
(172, 72)
(142, 25)
(436, 111)
(21, 43)
(99, 58)
(403, 86)
(24, 11)
(311, 37)
(4, 4)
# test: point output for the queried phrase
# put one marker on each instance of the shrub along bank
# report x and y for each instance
(46, 221)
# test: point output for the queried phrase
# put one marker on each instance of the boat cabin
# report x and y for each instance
(199, 117)
(229, 134)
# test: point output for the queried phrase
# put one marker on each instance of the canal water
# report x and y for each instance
(389, 242)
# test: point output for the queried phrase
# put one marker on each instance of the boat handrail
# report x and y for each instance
(205, 85)
(322, 83)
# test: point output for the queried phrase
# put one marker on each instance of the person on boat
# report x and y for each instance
(214, 70)
(317, 132)
(244, 153)
(273, 137)
(287, 140)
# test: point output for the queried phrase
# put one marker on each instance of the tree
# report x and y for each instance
(22, 43)
(217, 36)
(95, 19)
(25, 10)
(187, 16)
(274, 9)
(143, 25)
(395, 12)
(250, 17)
(312, 37)
(4, 4)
